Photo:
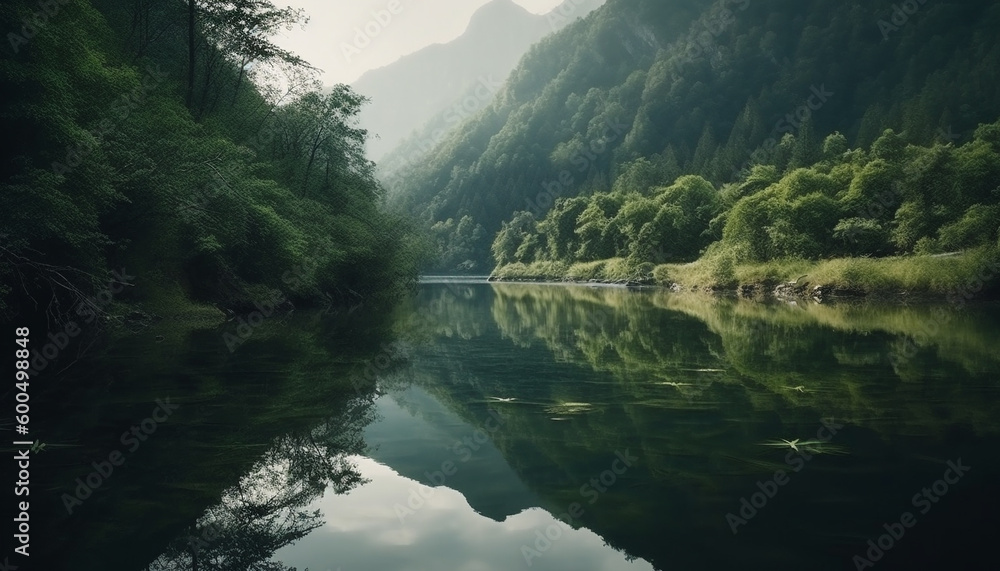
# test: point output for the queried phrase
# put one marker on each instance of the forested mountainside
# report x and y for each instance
(438, 79)
(642, 92)
(167, 152)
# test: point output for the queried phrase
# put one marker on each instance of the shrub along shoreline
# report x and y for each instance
(891, 220)
(970, 274)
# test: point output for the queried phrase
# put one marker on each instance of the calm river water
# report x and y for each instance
(522, 426)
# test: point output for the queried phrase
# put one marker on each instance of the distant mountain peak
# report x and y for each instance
(493, 18)
(498, 7)
(410, 92)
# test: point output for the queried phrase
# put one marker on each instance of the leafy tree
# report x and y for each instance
(977, 227)
(559, 228)
(507, 246)
(874, 191)
(593, 233)
(861, 237)
(834, 147)
(889, 147)
(643, 174)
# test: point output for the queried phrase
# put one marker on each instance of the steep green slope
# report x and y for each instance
(703, 88)
(191, 182)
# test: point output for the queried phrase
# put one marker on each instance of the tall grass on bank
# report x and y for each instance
(923, 275)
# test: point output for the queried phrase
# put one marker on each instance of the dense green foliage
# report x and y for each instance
(642, 92)
(228, 181)
(894, 199)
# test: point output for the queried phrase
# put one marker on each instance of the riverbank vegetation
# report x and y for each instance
(890, 218)
(174, 143)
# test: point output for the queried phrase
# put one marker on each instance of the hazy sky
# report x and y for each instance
(332, 43)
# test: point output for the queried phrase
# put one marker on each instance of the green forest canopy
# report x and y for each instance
(174, 140)
(711, 89)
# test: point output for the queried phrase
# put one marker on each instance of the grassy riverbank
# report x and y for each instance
(975, 272)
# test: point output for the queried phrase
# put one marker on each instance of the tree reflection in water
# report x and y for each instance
(266, 510)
